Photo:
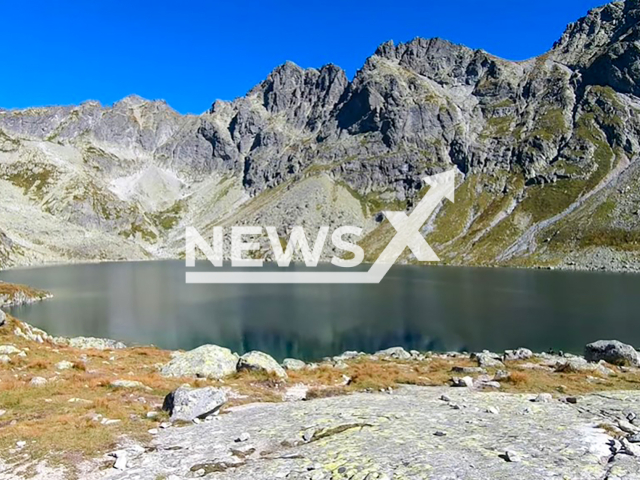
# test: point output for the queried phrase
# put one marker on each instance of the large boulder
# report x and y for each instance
(293, 364)
(613, 352)
(397, 353)
(259, 361)
(487, 359)
(207, 361)
(186, 403)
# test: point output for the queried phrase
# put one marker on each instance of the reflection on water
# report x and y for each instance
(422, 308)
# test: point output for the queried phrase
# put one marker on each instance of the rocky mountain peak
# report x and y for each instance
(535, 141)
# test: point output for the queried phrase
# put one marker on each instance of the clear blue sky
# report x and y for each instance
(192, 52)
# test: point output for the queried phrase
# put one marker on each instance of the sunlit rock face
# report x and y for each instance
(546, 151)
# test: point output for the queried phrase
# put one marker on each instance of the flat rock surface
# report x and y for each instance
(410, 433)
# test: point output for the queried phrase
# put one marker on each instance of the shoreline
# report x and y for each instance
(563, 268)
(93, 408)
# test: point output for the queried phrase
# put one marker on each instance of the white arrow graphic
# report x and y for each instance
(408, 235)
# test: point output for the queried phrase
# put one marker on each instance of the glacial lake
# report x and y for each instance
(422, 308)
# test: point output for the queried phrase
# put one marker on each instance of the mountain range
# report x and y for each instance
(546, 150)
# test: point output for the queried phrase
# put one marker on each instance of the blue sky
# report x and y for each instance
(190, 53)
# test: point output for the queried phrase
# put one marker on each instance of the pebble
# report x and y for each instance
(244, 437)
(543, 398)
(21, 444)
(445, 398)
(512, 456)
(64, 365)
(572, 400)
(462, 382)
(493, 410)
(440, 434)
(109, 421)
(38, 382)
(153, 431)
(121, 460)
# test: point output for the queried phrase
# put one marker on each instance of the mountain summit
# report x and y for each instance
(547, 151)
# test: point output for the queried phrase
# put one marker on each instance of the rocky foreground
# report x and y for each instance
(93, 408)
(414, 432)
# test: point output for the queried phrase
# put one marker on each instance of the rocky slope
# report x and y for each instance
(546, 149)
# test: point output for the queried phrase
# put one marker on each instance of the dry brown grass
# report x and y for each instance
(518, 378)
(10, 290)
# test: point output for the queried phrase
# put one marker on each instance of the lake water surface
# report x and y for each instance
(422, 308)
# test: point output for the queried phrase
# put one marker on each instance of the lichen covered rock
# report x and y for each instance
(259, 361)
(207, 361)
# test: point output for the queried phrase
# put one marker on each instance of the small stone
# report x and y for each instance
(512, 456)
(164, 425)
(21, 444)
(2, 412)
(128, 384)
(38, 382)
(631, 417)
(9, 350)
(109, 421)
(307, 436)
(543, 398)
(64, 365)
(501, 376)
(462, 382)
(121, 459)
(572, 400)
(153, 431)
(445, 398)
(493, 410)
(4, 359)
(293, 364)
(152, 414)
(244, 437)
(440, 434)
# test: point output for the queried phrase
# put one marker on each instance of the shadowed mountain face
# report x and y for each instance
(546, 149)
